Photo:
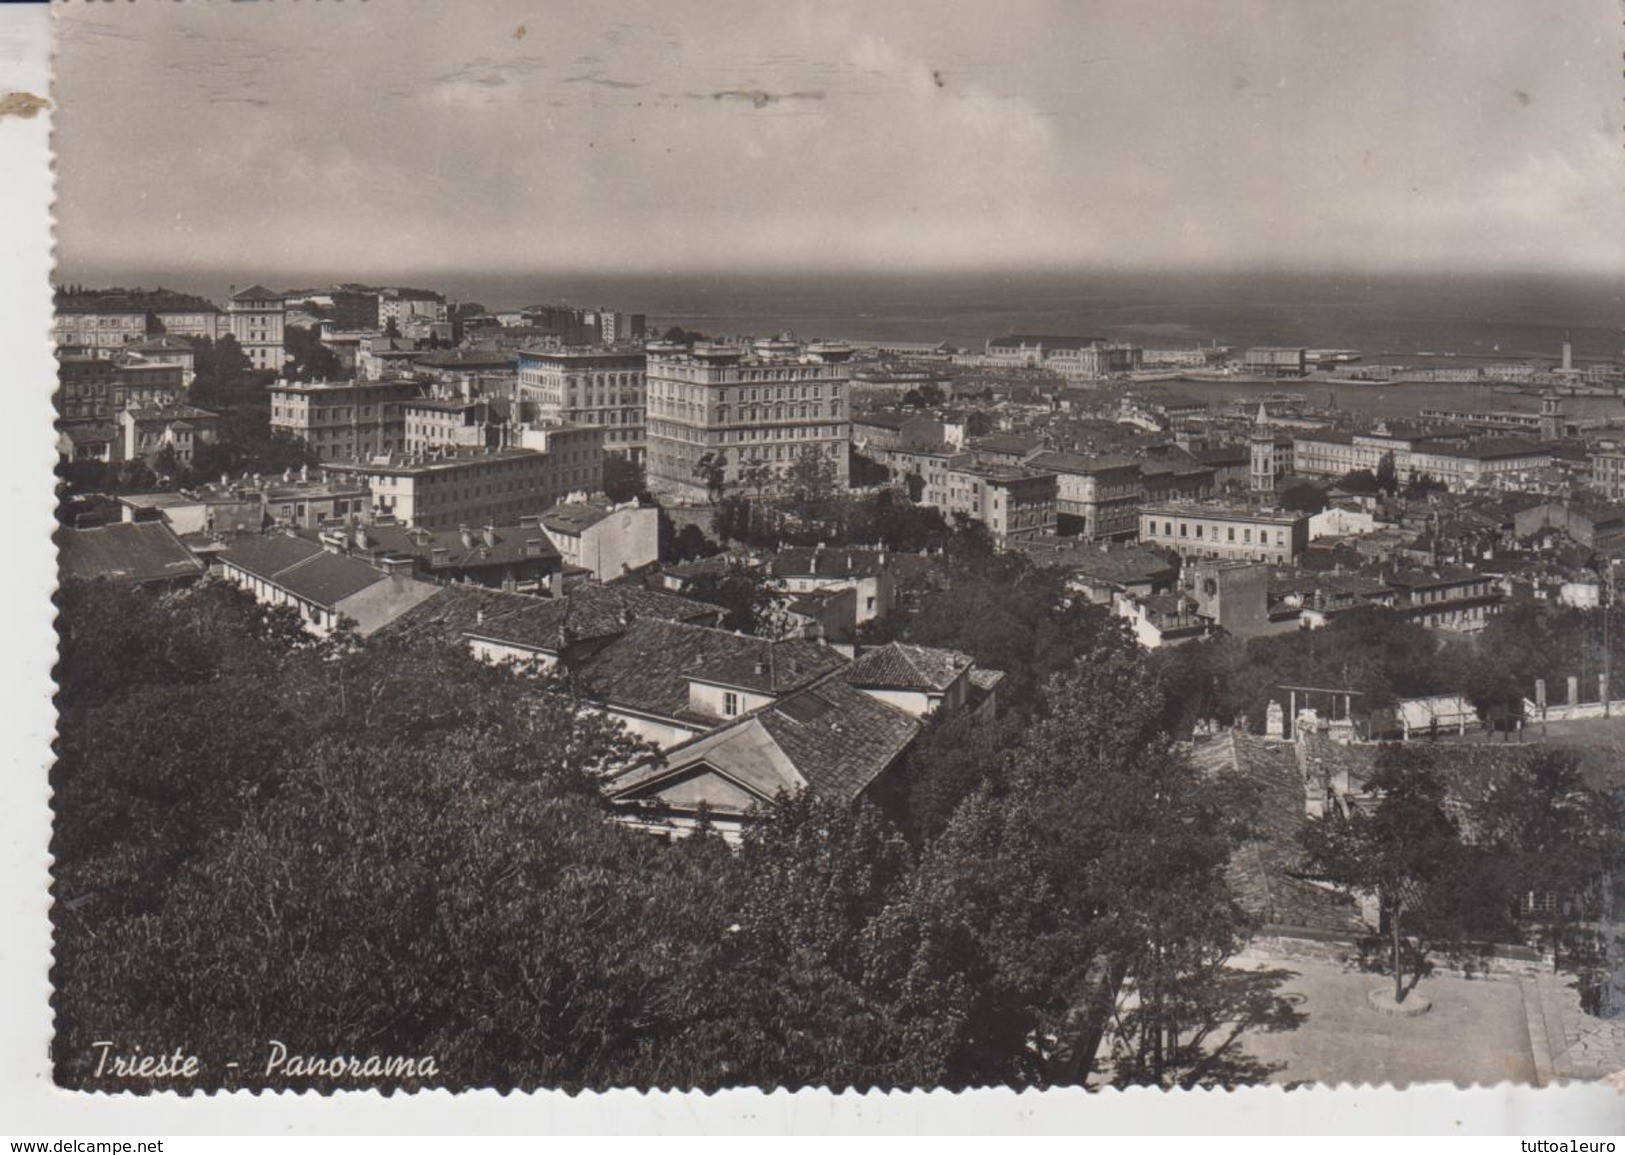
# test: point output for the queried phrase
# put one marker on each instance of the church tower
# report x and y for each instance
(1551, 416)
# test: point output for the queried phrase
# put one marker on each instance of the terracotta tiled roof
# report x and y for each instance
(303, 568)
(648, 667)
(585, 613)
(125, 552)
(838, 737)
(901, 666)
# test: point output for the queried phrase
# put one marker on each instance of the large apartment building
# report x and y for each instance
(1078, 358)
(738, 408)
(111, 320)
(98, 388)
(257, 317)
(1013, 502)
(587, 387)
(1461, 462)
(343, 420)
(1229, 533)
(1608, 474)
(456, 487)
(1097, 498)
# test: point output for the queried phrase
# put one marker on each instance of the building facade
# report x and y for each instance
(343, 420)
(1225, 532)
(587, 387)
(1608, 474)
(257, 317)
(1097, 499)
(732, 410)
(607, 540)
(1013, 503)
(99, 388)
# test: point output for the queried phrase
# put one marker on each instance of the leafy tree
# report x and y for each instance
(757, 475)
(623, 478)
(392, 329)
(813, 480)
(866, 472)
(1553, 837)
(1360, 481)
(1421, 487)
(690, 544)
(1387, 475)
(1405, 849)
(742, 591)
(1303, 497)
(915, 484)
(712, 471)
(978, 423)
(309, 359)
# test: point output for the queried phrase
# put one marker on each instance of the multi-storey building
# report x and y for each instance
(575, 455)
(257, 317)
(1477, 463)
(1333, 454)
(1232, 533)
(455, 487)
(404, 306)
(146, 432)
(111, 320)
(164, 350)
(1082, 358)
(343, 420)
(607, 540)
(587, 387)
(1608, 474)
(1013, 502)
(733, 410)
(1456, 599)
(1271, 361)
(1097, 498)
(98, 389)
(432, 422)
(182, 315)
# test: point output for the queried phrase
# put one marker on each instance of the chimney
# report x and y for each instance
(489, 536)
(467, 535)
(362, 540)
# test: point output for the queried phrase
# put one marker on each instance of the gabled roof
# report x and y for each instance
(137, 551)
(1007, 443)
(256, 293)
(303, 568)
(648, 667)
(900, 666)
(828, 563)
(838, 737)
(766, 667)
(1060, 462)
(575, 517)
(585, 613)
(444, 549)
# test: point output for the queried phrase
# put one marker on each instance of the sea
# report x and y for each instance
(1500, 315)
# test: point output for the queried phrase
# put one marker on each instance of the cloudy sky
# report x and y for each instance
(396, 135)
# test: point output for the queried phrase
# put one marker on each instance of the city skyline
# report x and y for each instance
(1390, 138)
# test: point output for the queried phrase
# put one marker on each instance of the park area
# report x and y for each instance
(1525, 1027)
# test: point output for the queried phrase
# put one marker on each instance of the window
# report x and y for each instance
(730, 704)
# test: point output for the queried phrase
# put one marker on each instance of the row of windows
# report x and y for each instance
(1230, 532)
